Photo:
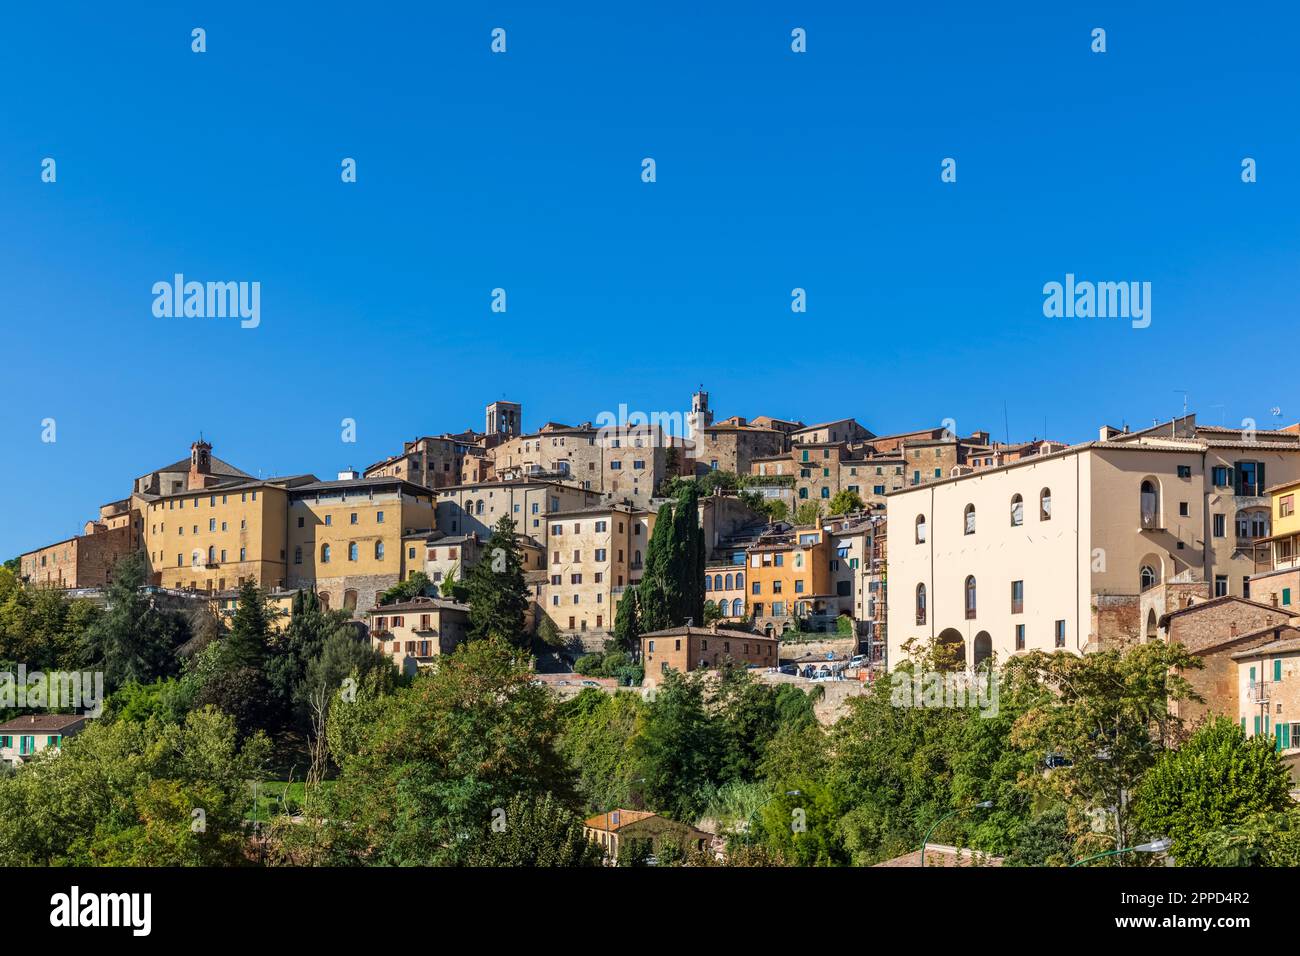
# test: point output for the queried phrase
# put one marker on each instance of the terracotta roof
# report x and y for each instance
(710, 632)
(1283, 646)
(43, 722)
(615, 820)
(936, 855)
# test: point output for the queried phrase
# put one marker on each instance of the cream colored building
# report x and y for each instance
(345, 537)
(595, 554)
(1055, 551)
(477, 508)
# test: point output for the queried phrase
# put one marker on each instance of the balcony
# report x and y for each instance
(1259, 692)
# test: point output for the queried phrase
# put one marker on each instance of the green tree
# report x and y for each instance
(123, 793)
(534, 831)
(1218, 779)
(1108, 713)
(679, 749)
(133, 640)
(245, 645)
(416, 585)
(423, 768)
(846, 501)
(627, 621)
(657, 596)
(498, 597)
(596, 736)
(808, 512)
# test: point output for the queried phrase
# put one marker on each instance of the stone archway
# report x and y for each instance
(983, 648)
(1150, 633)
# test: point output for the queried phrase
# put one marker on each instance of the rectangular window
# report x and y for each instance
(1277, 669)
(1286, 597)
(1020, 637)
(1060, 633)
(1184, 471)
(1220, 526)
(1017, 597)
(1220, 585)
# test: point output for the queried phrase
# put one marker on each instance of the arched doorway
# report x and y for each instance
(983, 648)
(950, 649)
(324, 598)
(1150, 633)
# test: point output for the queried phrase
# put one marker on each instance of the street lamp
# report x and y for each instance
(749, 822)
(1155, 846)
(982, 805)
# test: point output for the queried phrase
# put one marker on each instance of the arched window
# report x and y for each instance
(710, 603)
(803, 492)
(1150, 500)
(730, 582)
(478, 508)
(212, 555)
(349, 600)
(708, 582)
(379, 550)
(717, 582)
(970, 597)
(1149, 577)
(1252, 524)
(969, 522)
(920, 604)
(826, 492)
(737, 608)
(1045, 505)
(324, 554)
(1017, 511)
(740, 580)
(920, 529)
(352, 550)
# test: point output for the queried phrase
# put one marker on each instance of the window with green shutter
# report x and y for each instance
(1256, 733)
(1286, 595)
(1277, 669)
(1284, 735)
(52, 741)
(1243, 725)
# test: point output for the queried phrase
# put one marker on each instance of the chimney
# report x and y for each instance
(1232, 629)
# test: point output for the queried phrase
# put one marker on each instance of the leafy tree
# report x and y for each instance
(498, 597)
(712, 613)
(1265, 839)
(1217, 780)
(1108, 713)
(596, 735)
(245, 645)
(627, 621)
(423, 768)
(416, 585)
(679, 749)
(548, 633)
(846, 501)
(534, 831)
(40, 626)
(133, 640)
(776, 509)
(808, 512)
(124, 792)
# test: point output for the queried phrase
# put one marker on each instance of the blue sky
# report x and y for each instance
(775, 170)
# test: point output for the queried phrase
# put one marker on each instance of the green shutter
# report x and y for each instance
(1286, 595)
(1243, 725)
(1277, 669)
(1252, 674)
(1256, 733)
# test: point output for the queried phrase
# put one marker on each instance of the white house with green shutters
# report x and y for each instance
(23, 737)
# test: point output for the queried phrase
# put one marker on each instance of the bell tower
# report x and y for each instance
(200, 464)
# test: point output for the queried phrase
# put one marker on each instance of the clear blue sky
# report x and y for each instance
(775, 170)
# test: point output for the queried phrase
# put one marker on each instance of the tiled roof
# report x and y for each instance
(42, 722)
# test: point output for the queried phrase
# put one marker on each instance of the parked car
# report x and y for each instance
(791, 669)
(858, 660)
